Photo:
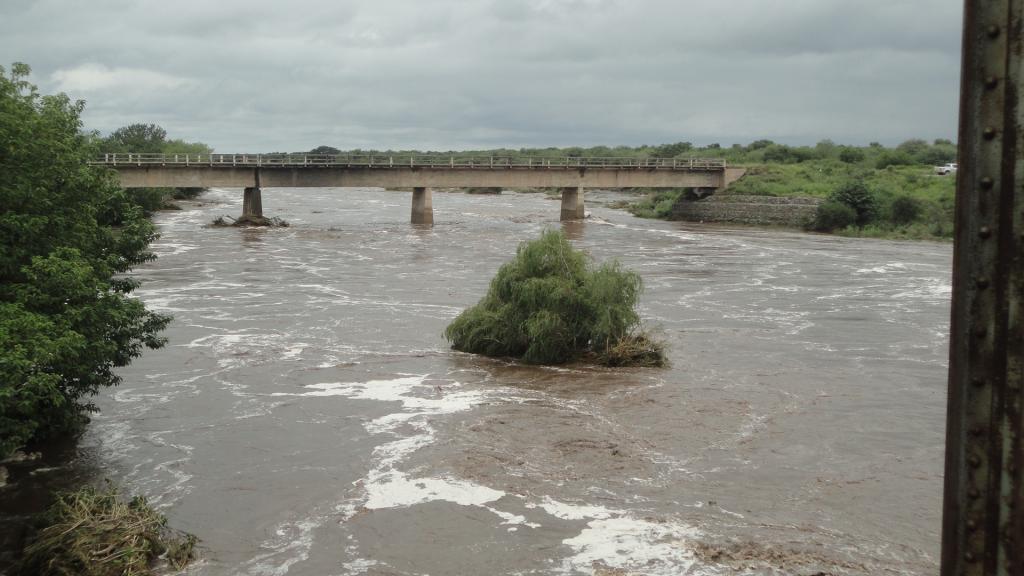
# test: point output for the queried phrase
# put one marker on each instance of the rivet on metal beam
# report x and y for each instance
(972, 525)
(989, 133)
(992, 31)
(974, 461)
(987, 183)
(970, 557)
(984, 232)
(991, 82)
(981, 283)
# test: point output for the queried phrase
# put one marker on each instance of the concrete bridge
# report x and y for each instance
(421, 173)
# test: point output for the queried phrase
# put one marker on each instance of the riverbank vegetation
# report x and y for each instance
(552, 305)
(69, 236)
(898, 193)
(93, 532)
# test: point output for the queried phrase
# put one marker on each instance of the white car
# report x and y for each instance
(946, 169)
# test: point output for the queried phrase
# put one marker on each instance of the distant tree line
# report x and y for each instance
(874, 155)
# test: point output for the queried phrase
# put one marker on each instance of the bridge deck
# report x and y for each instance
(454, 171)
(407, 161)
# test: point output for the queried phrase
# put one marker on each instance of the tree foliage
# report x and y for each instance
(66, 316)
(551, 305)
(325, 150)
(904, 210)
(137, 138)
(858, 196)
(833, 216)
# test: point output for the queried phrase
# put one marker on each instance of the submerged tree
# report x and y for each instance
(66, 317)
(551, 305)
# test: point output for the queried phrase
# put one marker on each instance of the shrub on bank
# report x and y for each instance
(904, 210)
(96, 533)
(857, 195)
(658, 204)
(833, 216)
(551, 305)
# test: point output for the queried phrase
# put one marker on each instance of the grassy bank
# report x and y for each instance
(904, 202)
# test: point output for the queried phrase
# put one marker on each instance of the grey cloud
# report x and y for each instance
(468, 73)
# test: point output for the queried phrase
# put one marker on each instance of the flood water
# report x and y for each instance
(308, 418)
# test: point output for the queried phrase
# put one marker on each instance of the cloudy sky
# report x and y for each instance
(454, 74)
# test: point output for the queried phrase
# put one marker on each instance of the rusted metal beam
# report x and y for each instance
(983, 516)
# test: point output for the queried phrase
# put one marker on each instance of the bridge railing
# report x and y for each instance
(405, 161)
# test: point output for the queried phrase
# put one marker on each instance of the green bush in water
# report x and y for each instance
(551, 305)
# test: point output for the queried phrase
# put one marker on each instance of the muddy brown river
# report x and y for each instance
(308, 418)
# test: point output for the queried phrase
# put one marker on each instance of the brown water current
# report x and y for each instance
(308, 418)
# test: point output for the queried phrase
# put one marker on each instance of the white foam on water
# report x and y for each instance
(628, 544)
(615, 539)
(883, 269)
(359, 566)
(164, 249)
(395, 489)
(928, 289)
(513, 520)
(290, 545)
(240, 349)
(566, 511)
(385, 486)
(293, 352)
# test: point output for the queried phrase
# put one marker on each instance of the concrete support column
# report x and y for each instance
(422, 206)
(252, 202)
(572, 203)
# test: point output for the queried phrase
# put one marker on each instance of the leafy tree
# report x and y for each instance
(178, 146)
(938, 154)
(779, 153)
(904, 210)
(825, 149)
(861, 199)
(671, 150)
(851, 155)
(833, 216)
(66, 317)
(913, 148)
(325, 150)
(137, 138)
(893, 158)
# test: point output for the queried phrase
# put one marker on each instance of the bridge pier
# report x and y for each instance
(422, 206)
(252, 202)
(572, 203)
